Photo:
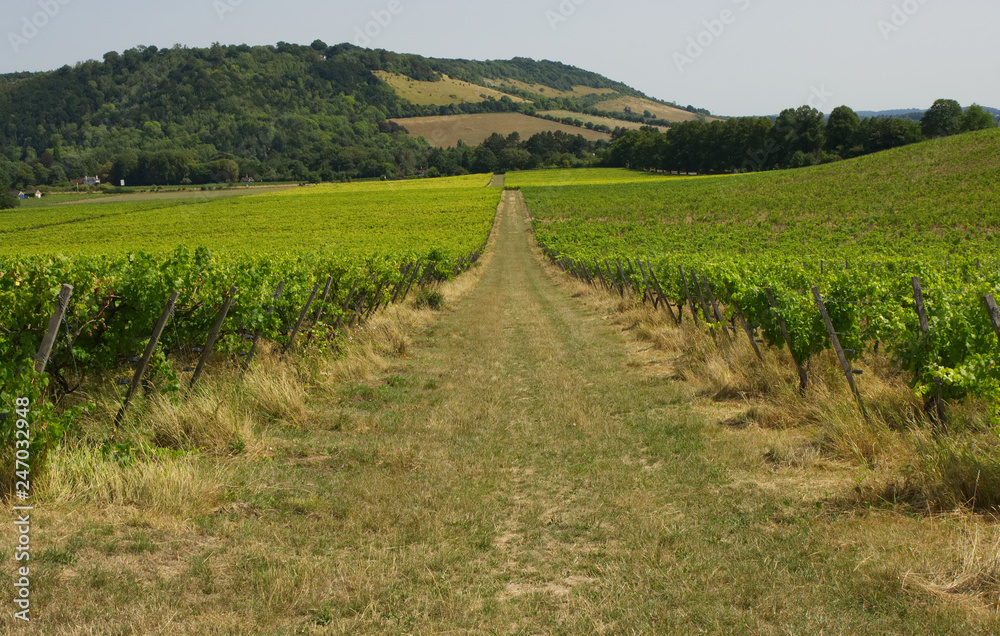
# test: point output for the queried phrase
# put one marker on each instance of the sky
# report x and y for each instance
(733, 57)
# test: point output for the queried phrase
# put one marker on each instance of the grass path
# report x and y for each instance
(516, 473)
(531, 480)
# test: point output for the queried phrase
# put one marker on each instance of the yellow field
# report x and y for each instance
(639, 105)
(444, 131)
(607, 121)
(442, 93)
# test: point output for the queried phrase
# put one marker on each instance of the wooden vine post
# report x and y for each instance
(848, 371)
(715, 307)
(257, 334)
(302, 318)
(350, 296)
(687, 293)
(663, 297)
(646, 288)
(991, 307)
(322, 301)
(45, 350)
(925, 329)
(803, 377)
(413, 278)
(619, 286)
(146, 356)
(213, 335)
(746, 329)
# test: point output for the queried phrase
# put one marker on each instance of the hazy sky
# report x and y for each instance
(733, 57)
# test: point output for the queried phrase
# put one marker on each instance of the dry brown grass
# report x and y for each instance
(896, 442)
(206, 421)
(445, 131)
(441, 93)
(639, 105)
(171, 486)
(275, 388)
(977, 574)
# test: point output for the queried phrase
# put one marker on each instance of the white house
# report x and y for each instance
(91, 181)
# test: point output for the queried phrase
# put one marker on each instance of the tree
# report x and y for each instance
(883, 133)
(484, 160)
(799, 131)
(224, 171)
(977, 118)
(514, 159)
(495, 143)
(842, 130)
(942, 119)
(7, 198)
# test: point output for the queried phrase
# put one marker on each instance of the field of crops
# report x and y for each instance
(929, 200)
(342, 251)
(858, 232)
(353, 219)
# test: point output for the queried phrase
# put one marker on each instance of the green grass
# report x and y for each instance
(359, 218)
(935, 198)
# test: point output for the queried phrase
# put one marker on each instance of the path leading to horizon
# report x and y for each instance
(532, 480)
(517, 471)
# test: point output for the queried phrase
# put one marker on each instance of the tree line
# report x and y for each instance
(796, 138)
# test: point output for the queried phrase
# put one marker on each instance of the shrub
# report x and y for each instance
(429, 298)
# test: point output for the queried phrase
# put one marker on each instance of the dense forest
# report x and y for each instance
(286, 112)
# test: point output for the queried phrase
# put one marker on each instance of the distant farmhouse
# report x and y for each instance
(87, 181)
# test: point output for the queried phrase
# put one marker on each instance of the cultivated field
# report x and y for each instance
(441, 93)
(639, 105)
(446, 131)
(407, 216)
(606, 121)
(548, 91)
(937, 199)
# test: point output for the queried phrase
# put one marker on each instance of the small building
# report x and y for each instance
(247, 180)
(20, 195)
(38, 194)
(91, 181)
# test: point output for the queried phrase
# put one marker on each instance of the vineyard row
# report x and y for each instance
(943, 327)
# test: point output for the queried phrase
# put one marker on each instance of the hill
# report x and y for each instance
(283, 112)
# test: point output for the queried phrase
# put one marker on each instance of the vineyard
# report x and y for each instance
(138, 296)
(894, 253)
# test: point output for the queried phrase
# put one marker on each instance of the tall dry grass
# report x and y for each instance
(896, 444)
